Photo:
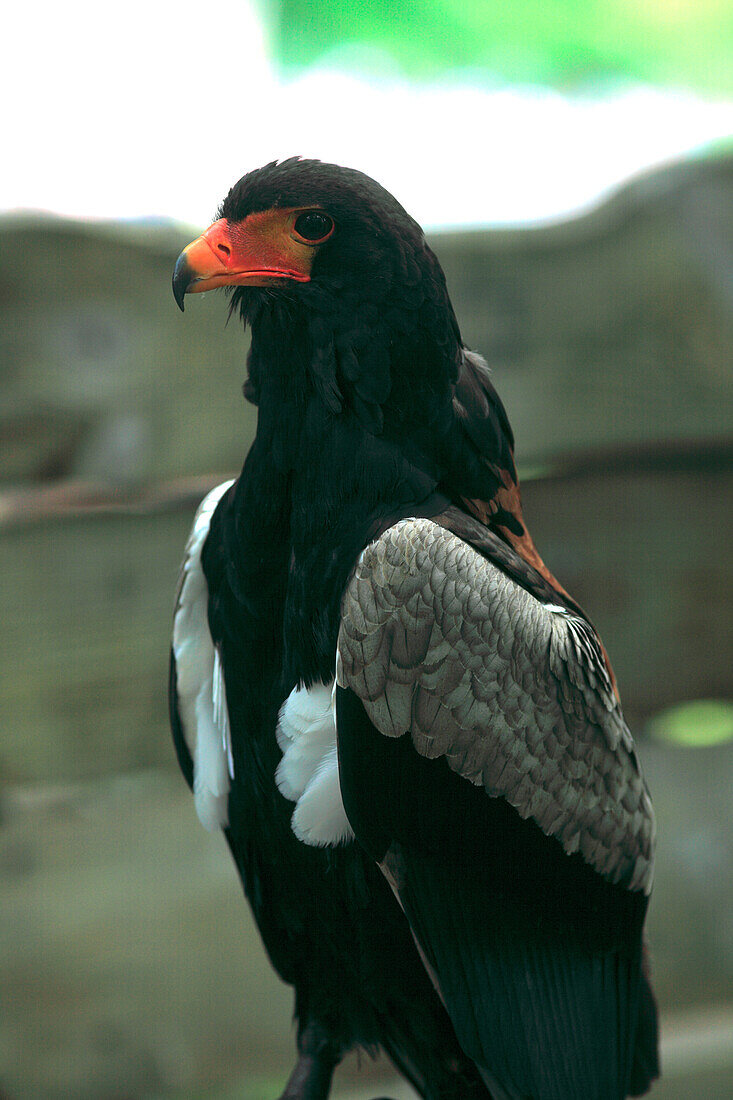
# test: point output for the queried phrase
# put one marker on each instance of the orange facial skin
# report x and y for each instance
(261, 250)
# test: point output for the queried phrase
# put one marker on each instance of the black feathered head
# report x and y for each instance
(328, 252)
(341, 289)
(304, 225)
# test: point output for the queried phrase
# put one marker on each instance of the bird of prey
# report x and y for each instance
(408, 731)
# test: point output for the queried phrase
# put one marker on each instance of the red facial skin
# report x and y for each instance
(261, 250)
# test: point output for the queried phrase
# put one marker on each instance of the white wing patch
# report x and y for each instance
(200, 681)
(308, 772)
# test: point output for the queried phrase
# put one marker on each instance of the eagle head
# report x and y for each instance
(331, 247)
(351, 319)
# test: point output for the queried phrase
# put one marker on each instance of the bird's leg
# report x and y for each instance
(317, 1059)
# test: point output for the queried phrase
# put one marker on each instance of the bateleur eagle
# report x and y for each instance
(408, 731)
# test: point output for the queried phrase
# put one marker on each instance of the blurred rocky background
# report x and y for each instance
(129, 966)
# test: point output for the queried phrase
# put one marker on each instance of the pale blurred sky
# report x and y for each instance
(155, 109)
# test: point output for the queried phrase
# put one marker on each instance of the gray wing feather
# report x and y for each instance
(439, 642)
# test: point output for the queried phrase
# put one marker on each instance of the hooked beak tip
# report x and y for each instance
(183, 276)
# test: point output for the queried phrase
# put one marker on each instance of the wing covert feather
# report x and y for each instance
(438, 641)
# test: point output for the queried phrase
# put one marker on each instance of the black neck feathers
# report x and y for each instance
(360, 418)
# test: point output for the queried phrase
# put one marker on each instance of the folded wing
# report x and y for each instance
(485, 763)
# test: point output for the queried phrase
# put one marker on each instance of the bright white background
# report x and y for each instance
(155, 109)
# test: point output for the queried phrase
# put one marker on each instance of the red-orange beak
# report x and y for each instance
(259, 251)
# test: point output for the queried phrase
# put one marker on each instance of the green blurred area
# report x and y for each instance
(567, 43)
(696, 724)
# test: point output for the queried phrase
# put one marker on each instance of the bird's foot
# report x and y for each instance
(311, 1078)
(307, 1082)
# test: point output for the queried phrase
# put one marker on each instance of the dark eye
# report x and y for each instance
(314, 226)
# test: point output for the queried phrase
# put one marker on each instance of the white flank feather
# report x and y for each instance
(308, 772)
(199, 680)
